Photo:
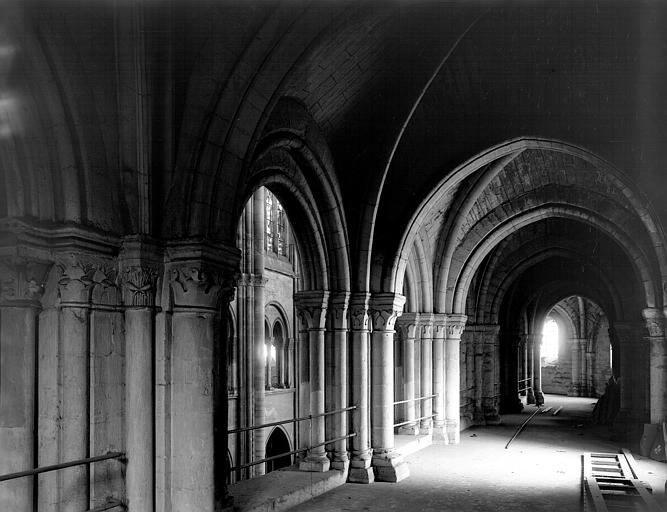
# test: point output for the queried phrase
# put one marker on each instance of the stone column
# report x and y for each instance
(21, 287)
(578, 367)
(74, 288)
(408, 324)
(489, 380)
(529, 343)
(455, 325)
(200, 275)
(524, 366)
(360, 465)
(338, 311)
(304, 388)
(312, 308)
(426, 373)
(634, 384)
(140, 266)
(536, 342)
(439, 327)
(655, 323)
(388, 464)
(588, 362)
(510, 401)
(259, 335)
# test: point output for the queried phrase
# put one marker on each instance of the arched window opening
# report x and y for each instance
(276, 227)
(549, 347)
(277, 444)
(278, 377)
(269, 358)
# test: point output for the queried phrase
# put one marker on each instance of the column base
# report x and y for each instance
(530, 397)
(511, 405)
(452, 432)
(361, 475)
(425, 428)
(340, 463)
(360, 471)
(439, 433)
(539, 398)
(390, 467)
(491, 410)
(315, 464)
(408, 430)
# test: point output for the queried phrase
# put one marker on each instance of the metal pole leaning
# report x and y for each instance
(523, 425)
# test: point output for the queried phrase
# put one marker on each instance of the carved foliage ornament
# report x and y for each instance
(359, 317)
(22, 279)
(455, 326)
(79, 274)
(384, 319)
(200, 285)
(139, 285)
(312, 316)
(408, 329)
(427, 331)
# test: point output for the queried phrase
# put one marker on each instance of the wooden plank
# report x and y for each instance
(613, 482)
(648, 498)
(596, 495)
(625, 467)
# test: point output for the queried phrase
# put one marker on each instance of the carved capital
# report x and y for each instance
(426, 325)
(312, 308)
(196, 284)
(201, 273)
(22, 279)
(141, 261)
(139, 285)
(439, 326)
(359, 317)
(256, 280)
(86, 278)
(385, 308)
(407, 324)
(338, 307)
(455, 325)
(655, 322)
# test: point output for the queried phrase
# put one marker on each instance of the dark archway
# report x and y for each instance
(277, 444)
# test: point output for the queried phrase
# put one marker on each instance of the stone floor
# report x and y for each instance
(540, 471)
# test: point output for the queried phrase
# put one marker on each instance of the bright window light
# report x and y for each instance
(549, 348)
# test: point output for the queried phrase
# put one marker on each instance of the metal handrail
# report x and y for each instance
(524, 380)
(413, 421)
(292, 452)
(415, 399)
(525, 389)
(63, 465)
(294, 420)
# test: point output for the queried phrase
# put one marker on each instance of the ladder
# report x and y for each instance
(610, 484)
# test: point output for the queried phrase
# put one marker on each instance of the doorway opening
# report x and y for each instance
(277, 444)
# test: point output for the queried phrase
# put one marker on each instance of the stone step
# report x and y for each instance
(283, 489)
(407, 445)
